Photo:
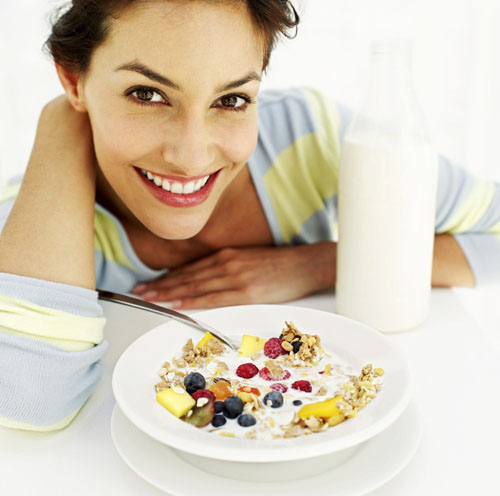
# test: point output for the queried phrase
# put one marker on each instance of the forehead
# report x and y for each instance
(184, 37)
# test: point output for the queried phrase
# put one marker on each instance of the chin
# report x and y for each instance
(176, 231)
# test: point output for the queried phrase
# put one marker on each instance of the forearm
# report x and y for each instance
(450, 267)
(49, 233)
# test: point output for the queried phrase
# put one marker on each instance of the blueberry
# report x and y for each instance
(297, 402)
(246, 420)
(219, 405)
(194, 381)
(218, 420)
(274, 399)
(296, 346)
(233, 406)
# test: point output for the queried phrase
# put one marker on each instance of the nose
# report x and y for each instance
(188, 145)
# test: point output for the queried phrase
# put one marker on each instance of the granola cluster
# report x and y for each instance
(310, 349)
(192, 356)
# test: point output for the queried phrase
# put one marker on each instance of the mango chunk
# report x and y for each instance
(176, 403)
(250, 345)
(325, 409)
(205, 339)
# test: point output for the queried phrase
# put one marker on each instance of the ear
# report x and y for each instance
(72, 84)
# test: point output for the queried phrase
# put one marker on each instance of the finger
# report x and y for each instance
(199, 264)
(216, 258)
(191, 289)
(179, 280)
(175, 276)
(211, 300)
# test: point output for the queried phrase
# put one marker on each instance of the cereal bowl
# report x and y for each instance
(347, 341)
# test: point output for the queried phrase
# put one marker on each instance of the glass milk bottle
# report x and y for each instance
(386, 200)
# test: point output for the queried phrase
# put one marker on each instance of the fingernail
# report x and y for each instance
(150, 294)
(176, 303)
(139, 288)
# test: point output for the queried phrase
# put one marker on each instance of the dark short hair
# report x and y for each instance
(81, 26)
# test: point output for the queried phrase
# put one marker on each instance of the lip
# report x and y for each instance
(176, 200)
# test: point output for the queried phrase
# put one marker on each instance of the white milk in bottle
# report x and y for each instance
(387, 195)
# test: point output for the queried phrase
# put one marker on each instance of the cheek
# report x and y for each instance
(119, 139)
(238, 141)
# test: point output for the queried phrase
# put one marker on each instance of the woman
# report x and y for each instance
(152, 160)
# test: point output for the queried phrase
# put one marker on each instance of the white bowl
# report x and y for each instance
(136, 371)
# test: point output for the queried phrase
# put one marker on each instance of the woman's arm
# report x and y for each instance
(51, 324)
(50, 230)
(450, 266)
(235, 276)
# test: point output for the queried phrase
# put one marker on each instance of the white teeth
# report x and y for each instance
(188, 188)
(176, 187)
(165, 185)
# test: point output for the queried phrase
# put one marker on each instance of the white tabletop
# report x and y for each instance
(454, 358)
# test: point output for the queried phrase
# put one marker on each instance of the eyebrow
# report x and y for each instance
(154, 76)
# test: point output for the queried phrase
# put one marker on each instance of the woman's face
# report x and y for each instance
(172, 93)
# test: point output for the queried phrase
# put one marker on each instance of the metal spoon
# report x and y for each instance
(130, 301)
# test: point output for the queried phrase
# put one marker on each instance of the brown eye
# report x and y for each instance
(234, 102)
(147, 95)
(230, 100)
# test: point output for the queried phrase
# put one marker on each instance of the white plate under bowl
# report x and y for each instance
(135, 375)
(371, 464)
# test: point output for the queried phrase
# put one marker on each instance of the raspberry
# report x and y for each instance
(304, 386)
(273, 348)
(203, 393)
(281, 388)
(264, 373)
(247, 370)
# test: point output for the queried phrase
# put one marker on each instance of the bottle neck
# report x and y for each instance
(390, 105)
(391, 72)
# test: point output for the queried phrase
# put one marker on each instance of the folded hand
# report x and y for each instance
(236, 276)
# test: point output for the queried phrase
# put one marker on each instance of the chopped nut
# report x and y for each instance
(367, 369)
(160, 386)
(321, 391)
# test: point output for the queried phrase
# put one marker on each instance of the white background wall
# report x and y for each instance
(457, 68)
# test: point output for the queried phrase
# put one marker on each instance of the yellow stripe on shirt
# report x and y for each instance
(14, 424)
(306, 173)
(473, 208)
(107, 240)
(62, 329)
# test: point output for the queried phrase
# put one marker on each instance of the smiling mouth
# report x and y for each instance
(175, 186)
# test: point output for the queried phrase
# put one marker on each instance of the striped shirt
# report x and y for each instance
(51, 334)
